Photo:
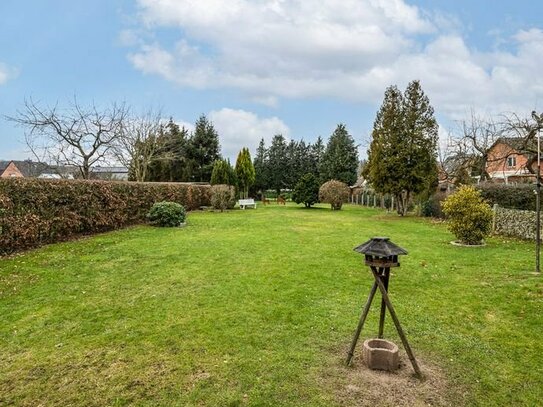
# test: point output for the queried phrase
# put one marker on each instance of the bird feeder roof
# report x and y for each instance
(380, 247)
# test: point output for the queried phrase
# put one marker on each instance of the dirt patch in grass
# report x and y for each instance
(360, 386)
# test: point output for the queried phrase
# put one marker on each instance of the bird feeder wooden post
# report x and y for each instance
(380, 255)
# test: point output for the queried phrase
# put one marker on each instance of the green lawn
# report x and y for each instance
(258, 308)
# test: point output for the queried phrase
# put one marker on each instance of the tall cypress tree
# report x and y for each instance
(245, 172)
(421, 133)
(340, 159)
(402, 153)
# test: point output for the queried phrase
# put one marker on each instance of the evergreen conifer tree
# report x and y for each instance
(340, 159)
(402, 153)
(245, 172)
(260, 164)
(203, 150)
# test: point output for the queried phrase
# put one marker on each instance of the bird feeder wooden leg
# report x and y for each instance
(384, 273)
(396, 322)
(361, 323)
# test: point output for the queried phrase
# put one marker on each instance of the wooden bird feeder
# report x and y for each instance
(380, 255)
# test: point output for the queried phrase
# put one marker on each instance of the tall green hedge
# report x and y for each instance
(35, 212)
(520, 196)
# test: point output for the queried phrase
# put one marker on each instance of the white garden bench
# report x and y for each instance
(244, 203)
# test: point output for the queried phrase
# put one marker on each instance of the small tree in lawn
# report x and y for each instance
(469, 217)
(245, 172)
(223, 196)
(334, 192)
(306, 190)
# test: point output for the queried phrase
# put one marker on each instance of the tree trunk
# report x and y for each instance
(402, 202)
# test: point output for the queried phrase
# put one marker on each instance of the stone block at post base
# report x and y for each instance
(380, 354)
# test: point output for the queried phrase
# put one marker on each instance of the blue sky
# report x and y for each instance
(259, 67)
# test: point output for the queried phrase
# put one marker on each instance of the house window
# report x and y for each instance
(511, 161)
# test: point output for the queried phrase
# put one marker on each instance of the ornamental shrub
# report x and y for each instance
(223, 197)
(432, 206)
(306, 190)
(168, 214)
(334, 192)
(469, 217)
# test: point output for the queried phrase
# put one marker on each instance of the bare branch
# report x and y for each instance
(78, 136)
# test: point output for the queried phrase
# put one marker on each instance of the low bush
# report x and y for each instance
(469, 217)
(432, 206)
(336, 193)
(167, 214)
(34, 212)
(223, 197)
(519, 196)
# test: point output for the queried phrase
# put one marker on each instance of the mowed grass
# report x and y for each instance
(258, 308)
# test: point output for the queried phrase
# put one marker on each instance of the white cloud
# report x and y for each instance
(239, 128)
(188, 126)
(349, 50)
(6, 73)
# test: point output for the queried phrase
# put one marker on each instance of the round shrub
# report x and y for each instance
(167, 214)
(223, 197)
(469, 217)
(432, 206)
(336, 193)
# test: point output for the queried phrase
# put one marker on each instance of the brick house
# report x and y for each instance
(510, 160)
(8, 169)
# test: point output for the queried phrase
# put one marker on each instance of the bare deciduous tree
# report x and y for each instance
(478, 135)
(77, 136)
(140, 144)
(525, 129)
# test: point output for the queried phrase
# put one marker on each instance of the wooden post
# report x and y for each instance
(361, 323)
(396, 322)
(494, 215)
(385, 274)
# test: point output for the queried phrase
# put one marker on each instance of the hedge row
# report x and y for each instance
(519, 196)
(34, 212)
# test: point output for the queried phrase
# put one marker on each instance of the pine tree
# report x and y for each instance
(277, 163)
(402, 153)
(245, 172)
(340, 159)
(177, 152)
(291, 164)
(316, 152)
(203, 150)
(260, 164)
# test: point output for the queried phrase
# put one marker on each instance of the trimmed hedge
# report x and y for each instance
(520, 196)
(34, 212)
